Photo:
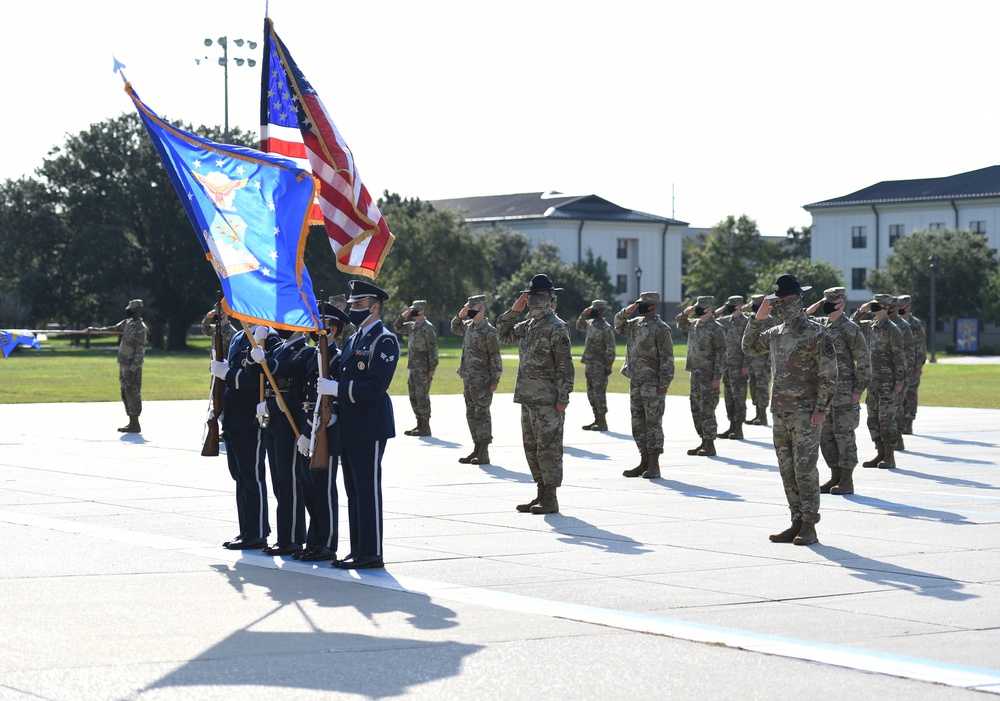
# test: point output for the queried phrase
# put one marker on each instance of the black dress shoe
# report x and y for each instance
(282, 549)
(318, 555)
(359, 562)
(237, 539)
(247, 544)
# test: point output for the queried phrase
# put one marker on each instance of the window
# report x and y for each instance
(859, 237)
(978, 227)
(936, 226)
(858, 276)
(895, 231)
(622, 284)
(623, 248)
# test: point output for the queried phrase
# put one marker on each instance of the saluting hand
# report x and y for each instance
(764, 311)
(521, 303)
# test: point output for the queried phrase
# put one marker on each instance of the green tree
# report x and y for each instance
(991, 302)
(597, 270)
(506, 249)
(798, 242)
(728, 261)
(818, 274)
(964, 268)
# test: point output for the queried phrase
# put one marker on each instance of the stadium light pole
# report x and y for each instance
(224, 62)
(933, 259)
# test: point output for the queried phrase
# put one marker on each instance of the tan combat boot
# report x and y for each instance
(694, 451)
(483, 456)
(787, 535)
(548, 504)
(132, 427)
(761, 418)
(639, 469)
(846, 485)
(525, 508)
(653, 471)
(807, 535)
(834, 480)
(889, 459)
(729, 431)
(423, 427)
(877, 459)
(708, 449)
(592, 426)
(602, 422)
(471, 456)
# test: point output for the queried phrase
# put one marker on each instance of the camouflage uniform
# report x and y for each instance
(885, 346)
(422, 359)
(919, 358)
(348, 329)
(737, 366)
(706, 361)
(131, 353)
(480, 369)
(599, 353)
(760, 373)
(837, 440)
(649, 366)
(909, 352)
(805, 378)
(544, 378)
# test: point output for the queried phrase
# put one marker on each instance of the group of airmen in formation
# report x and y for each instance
(811, 368)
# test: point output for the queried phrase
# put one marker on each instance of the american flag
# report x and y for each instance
(295, 124)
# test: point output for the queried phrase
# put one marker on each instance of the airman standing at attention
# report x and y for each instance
(421, 362)
(480, 370)
(131, 354)
(649, 367)
(598, 360)
(544, 382)
(737, 366)
(760, 372)
(909, 362)
(706, 361)
(919, 358)
(340, 302)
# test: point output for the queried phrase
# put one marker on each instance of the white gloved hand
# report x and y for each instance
(260, 333)
(219, 368)
(326, 386)
(333, 420)
(261, 410)
(302, 445)
(257, 354)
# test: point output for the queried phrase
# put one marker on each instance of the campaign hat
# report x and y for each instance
(541, 283)
(787, 285)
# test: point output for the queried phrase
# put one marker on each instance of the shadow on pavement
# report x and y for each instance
(909, 510)
(593, 537)
(883, 574)
(438, 442)
(942, 479)
(956, 441)
(502, 473)
(581, 453)
(693, 490)
(945, 458)
(745, 464)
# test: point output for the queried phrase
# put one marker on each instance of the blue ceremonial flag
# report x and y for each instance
(250, 211)
(9, 340)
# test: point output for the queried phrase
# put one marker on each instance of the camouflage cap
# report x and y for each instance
(418, 305)
(476, 300)
(884, 299)
(835, 294)
(904, 300)
(649, 298)
(757, 299)
(707, 301)
(133, 304)
(897, 301)
(598, 305)
(735, 299)
(338, 299)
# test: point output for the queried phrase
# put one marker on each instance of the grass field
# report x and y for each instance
(62, 373)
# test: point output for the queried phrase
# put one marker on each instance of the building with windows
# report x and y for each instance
(643, 251)
(856, 232)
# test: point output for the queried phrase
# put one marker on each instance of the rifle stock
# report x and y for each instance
(321, 451)
(218, 396)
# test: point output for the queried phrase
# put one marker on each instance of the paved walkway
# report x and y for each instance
(113, 584)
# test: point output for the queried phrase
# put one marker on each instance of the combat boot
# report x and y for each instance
(639, 469)
(483, 456)
(889, 459)
(846, 485)
(899, 443)
(413, 431)
(834, 480)
(737, 433)
(602, 422)
(423, 427)
(761, 418)
(807, 535)
(471, 456)
(548, 504)
(653, 471)
(729, 432)
(132, 427)
(877, 459)
(694, 451)
(592, 426)
(525, 508)
(787, 535)
(707, 450)
(908, 427)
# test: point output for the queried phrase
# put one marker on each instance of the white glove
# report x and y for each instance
(261, 410)
(219, 368)
(260, 333)
(326, 386)
(257, 354)
(302, 444)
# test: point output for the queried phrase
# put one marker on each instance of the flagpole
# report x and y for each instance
(270, 378)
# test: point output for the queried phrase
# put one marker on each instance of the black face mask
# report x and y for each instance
(755, 307)
(700, 311)
(875, 308)
(644, 308)
(730, 308)
(830, 307)
(357, 316)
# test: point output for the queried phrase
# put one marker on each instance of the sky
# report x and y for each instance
(694, 109)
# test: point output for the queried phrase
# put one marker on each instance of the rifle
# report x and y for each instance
(217, 398)
(321, 414)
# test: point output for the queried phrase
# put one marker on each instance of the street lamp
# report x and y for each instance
(638, 281)
(933, 259)
(224, 62)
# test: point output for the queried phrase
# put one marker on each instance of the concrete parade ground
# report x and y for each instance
(114, 584)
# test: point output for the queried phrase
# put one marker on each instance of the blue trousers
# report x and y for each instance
(245, 455)
(363, 483)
